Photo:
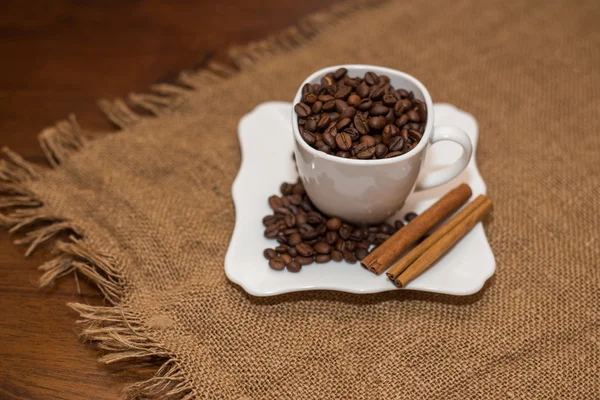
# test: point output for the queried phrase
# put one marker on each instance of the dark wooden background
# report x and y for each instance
(58, 57)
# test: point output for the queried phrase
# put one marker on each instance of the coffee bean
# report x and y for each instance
(345, 231)
(309, 98)
(305, 250)
(286, 188)
(349, 257)
(323, 258)
(337, 256)
(349, 112)
(275, 202)
(340, 105)
(353, 83)
(334, 116)
(308, 233)
(307, 88)
(386, 228)
(365, 104)
(350, 245)
(342, 92)
(340, 244)
(388, 132)
(364, 150)
(377, 93)
(331, 129)
(339, 73)
(317, 107)
(342, 123)
(282, 248)
(403, 93)
(353, 133)
(281, 238)
(333, 224)
(371, 78)
(294, 266)
(292, 251)
(389, 100)
(410, 216)
(294, 239)
(382, 237)
(413, 116)
(354, 100)
(329, 140)
(302, 109)
(343, 154)
(277, 263)
(396, 144)
(363, 244)
(327, 80)
(304, 260)
(379, 109)
(376, 123)
(331, 237)
(269, 220)
(290, 220)
(269, 254)
(398, 224)
(360, 125)
(283, 210)
(400, 122)
(323, 121)
(393, 154)
(381, 150)
(389, 117)
(329, 105)
(415, 136)
(286, 258)
(322, 248)
(361, 253)
(314, 218)
(308, 137)
(324, 98)
(377, 138)
(343, 141)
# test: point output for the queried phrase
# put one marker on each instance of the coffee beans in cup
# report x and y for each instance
(360, 118)
(306, 236)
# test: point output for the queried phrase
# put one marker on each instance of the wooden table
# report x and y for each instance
(58, 57)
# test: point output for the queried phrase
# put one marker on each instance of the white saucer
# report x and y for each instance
(267, 144)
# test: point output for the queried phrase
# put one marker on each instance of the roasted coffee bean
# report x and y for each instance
(275, 202)
(410, 216)
(376, 123)
(365, 105)
(349, 257)
(398, 224)
(277, 263)
(333, 224)
(379, 109)
(400, 122)
(343, 154)
(302, 109)
(307, 205)
(329, 140)
(290, 220)
(323, 147)
(331, 237)
(300, 219)
(283, 211)
(386, 228)
(371, 237)
(396, 143)
(403, 93)
(324, 98)
(360, 125)
(304, 260)
(343, 141)
(337, 256)
(310, 125)
(282, 248)
(350, 245)
(382, 237)
(317, 107)
(340, 244)
(353, 133)
(323, 258)
(363, 90)
(345, 231)
(349, 112)
(377, 138)
(281, 238)
(286, 258)
(356, 234)
(294, 266)
(334, 116)
(389, 100)
(307, 88)
(415, 136)
(309, 98)
(388, 132)
(371, 78)
(305, 250)
(342, 92)
(323, 121)
(393, 154)
(381, 150)
(292, 251)
(314, 218)
(342, 123)
(365, 148)
(327, 80)
(322, 248)
(363, 244)
(295, 199)
(329, 105)
(361, 253)
(286, 188)
(294, 239)
(413, 116)
(331, 129)
(321, 229)
(373, 229)
(377, 93)
(354, 100)
(339, 73)
(269, 220)
(269, 254)
(390, 118)
(308, 137)
(305, 229)
(340, 105)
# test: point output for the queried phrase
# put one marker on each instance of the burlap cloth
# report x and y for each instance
(150, 215)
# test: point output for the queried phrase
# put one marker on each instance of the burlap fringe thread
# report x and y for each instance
(118, 332)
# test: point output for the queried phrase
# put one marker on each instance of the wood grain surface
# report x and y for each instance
(58, 57)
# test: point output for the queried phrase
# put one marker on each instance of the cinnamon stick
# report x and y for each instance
(443, 244)
(388, 252)
(416, 252)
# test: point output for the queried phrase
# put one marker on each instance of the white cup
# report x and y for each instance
(370, 191)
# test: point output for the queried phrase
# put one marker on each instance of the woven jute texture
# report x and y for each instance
(147, 213)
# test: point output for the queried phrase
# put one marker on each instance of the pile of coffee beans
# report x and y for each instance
(361, 118)
(305, 235)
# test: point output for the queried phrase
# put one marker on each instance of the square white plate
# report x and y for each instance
(267, 144)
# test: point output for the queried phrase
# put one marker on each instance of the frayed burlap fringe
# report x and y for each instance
(118, 333)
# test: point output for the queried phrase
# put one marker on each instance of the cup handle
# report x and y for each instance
(439, 177)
